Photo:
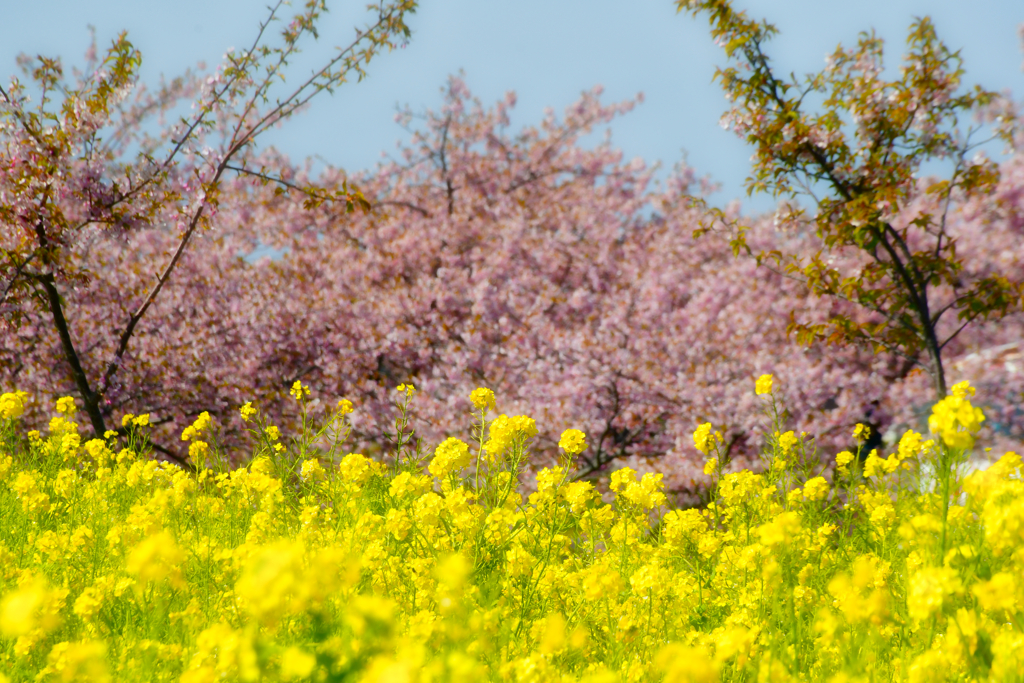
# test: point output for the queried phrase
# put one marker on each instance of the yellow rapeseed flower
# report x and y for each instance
(26, 487)
(578, 494)
(156, 559)
(272, 582)
(59, 426)
(622, 478)
(196, 428)
(449, 457)
(242, 575)
(296, 664)
(646, 493)
(873, 464)
(680, 526)
(553, 635)
(222, 653)
(505, 430)
(344, 406)
(355, 468)
(955, 420)
(911, 444)
(482, 399)
(549, 478)
(247, 411)
(27, 608)
(573, 441)
(682, 664)
(763, 385)
(12, 405)
(781, 529)
(298, 391)
(843, 460)
(197, 452)
(66, 405)
(998, 594)
(83, 661)
(312, 471)
(816, 488)
(397, 523)
(929, 588)
(428, 508)
(524, 426)
(962, 390)
(786, 441)
(704, 440)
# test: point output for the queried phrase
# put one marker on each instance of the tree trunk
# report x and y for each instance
(77, 372)
(936, 370)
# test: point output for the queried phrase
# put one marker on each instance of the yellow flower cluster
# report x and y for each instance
(120, 568)
(911, 446)
(298, 391)
(66, 405)
(196, 428)
(507, 431)
(954, 419)
(482, 399)
(135, 420)
(12, 405)
(247, 411)
(573, 442)
(450, 457)
(786, 441)
(198, 449)
(704, 439)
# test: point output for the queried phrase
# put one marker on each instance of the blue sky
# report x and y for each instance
(548, 51)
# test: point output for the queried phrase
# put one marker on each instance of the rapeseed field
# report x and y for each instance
(308, 563)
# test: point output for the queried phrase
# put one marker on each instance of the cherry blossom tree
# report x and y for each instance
(857, 156)
(64, 182)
